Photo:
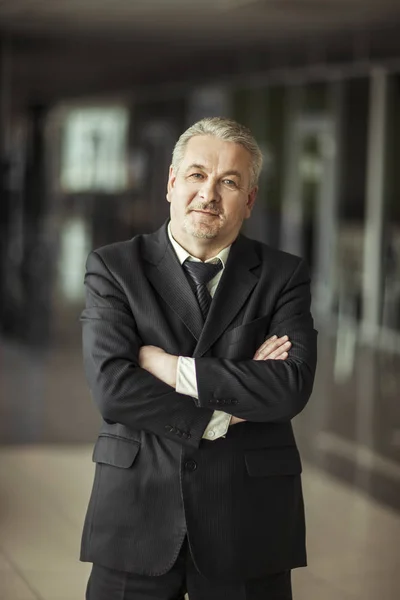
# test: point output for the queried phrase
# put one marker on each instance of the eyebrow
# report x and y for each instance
(203, 168)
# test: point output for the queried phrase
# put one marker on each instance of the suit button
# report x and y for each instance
(190, 465)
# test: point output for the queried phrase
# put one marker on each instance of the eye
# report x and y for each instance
(230, 182)
(198, 176)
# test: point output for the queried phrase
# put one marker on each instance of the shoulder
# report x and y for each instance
(118, 249)
(274, 257)
(145, 246)
(278, 266)
(116, 258)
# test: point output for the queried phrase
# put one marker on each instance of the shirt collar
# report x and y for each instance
(183, 254)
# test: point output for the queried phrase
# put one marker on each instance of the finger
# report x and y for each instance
(268, 347)
(273, 342)
(283, 356)
(271, 339)
(266, 343)
(274, 354)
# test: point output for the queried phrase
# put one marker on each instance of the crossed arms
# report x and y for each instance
(127, 392)
(164, 366)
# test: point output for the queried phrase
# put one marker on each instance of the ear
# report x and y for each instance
(171, 181)
(251, 198)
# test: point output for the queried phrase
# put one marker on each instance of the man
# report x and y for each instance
(197, 486)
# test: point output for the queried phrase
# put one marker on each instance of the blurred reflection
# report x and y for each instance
(109, 166)
(391, 227)
(94, 150)
(391, 275)
(89, 172)
(74, 248)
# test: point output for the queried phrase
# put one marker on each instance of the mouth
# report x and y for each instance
(206, 212)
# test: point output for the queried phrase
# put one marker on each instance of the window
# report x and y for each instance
(94, 150)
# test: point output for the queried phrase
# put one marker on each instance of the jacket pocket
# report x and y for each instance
(118, 452)
(270, 462)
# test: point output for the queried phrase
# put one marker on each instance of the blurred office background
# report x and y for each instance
(93, 96)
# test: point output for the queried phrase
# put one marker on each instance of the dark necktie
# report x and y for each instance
(201, 273)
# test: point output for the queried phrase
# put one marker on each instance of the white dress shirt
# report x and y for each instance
(186, 382)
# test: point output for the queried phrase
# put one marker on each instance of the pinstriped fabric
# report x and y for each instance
(239, 499)
(111, 584)
(201, 273)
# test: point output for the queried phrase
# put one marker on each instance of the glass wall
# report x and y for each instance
(319, 189)
(316, 195)
(351, 202)
(262, 110)
(391, 217)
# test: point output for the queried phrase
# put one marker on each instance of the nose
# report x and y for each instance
(209, 191)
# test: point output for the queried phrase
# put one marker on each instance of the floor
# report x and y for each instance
(353, 541)
(349, 438)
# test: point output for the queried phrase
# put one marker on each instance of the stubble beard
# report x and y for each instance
(201, 230)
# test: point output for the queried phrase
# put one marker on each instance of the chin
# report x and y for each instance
(201, 231)
(204, 235)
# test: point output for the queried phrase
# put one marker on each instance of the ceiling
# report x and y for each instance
(59, 48)
(198, 21)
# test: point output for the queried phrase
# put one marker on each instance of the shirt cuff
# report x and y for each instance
(218, 425)
(186, 382)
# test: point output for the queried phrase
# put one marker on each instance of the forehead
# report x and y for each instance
(216, 154)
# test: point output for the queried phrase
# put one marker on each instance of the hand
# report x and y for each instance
(159, 363)
(274, 348)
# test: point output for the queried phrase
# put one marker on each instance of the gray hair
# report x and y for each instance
(223, 129)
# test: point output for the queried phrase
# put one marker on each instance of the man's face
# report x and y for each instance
(210, 193)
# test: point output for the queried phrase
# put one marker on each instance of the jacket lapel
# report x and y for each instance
(235, 286)
(169, 280)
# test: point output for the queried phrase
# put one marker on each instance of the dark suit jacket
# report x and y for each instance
(238, 499)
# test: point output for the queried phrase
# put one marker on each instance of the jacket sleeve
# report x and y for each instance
(123, 391)
(270, 390)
